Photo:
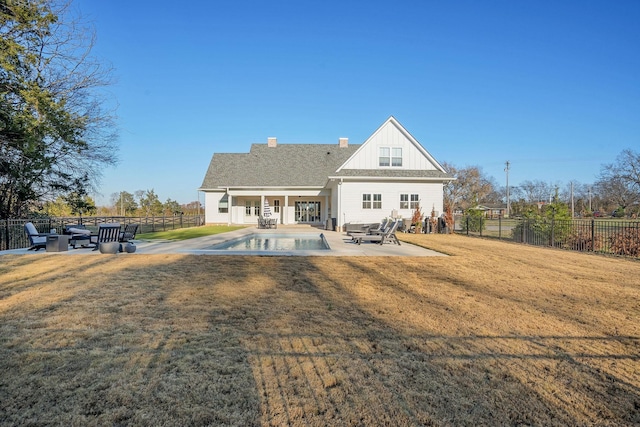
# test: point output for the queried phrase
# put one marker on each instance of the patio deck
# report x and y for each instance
(339, 243)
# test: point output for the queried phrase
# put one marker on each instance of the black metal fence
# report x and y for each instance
(617, 237)
(13, 236)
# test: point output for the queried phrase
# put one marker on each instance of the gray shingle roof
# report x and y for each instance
(391, 173)
(286, 165)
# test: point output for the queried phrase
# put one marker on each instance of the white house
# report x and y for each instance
(387, 175)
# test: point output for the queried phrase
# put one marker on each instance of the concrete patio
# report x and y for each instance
(340, 245)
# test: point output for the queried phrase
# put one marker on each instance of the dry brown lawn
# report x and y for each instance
(496, 334)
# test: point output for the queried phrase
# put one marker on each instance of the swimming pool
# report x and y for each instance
(275, 242)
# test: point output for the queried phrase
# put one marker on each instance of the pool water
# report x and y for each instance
(275, 242)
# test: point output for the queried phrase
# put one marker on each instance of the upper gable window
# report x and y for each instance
(396, 156)
(385, 156)
(390, 156)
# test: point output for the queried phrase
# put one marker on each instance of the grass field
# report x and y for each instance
(495, 334)
(188, 233)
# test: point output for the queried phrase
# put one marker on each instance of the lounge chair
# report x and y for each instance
(36, 240)
(352, 229)
(387, 236)
(129, 233)
(106, 233)
(77, 233)
(381, 228)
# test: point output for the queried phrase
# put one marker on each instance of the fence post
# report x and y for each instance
(593, 235)
(552, 233)
(467, 224)
(499, 227)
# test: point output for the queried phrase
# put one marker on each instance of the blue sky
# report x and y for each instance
(551, 86)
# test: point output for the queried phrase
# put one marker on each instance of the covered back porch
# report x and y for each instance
(287, 207)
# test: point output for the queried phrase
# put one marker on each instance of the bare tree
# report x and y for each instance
(536, 191)
(471, 186)
(619, 182)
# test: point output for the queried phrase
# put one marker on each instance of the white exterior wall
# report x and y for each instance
(430, 196)
(211, 201)
(389, 136)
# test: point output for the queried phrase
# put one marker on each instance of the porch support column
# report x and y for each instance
(326, 209)
(285, 217)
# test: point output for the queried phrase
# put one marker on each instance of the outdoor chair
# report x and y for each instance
(129, 233)
(36, 240)
(387, 236)
(380, 228)
(262, 222)
(376, 229)
(351, 228)
(77, 232)
(106, 233)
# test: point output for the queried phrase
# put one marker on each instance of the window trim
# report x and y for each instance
(223, 204)
(376, 204)
(404, 204)
(386, 156)
(390, 157)
(366, 200)
(369, 201)
(414, 201)
(394, 158)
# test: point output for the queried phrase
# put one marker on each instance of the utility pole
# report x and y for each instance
(508, 201)
(572, 204)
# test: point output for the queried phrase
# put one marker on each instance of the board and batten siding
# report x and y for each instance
(389, 136)
(430, 197)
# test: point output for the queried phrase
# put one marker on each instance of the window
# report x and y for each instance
(377, 201)
(390, 156)
(247, 208)
(223, 205)
(276, 206)
(396, 156)
(415, 201)
(404, 201)
(256, 208)
(385, 156)
(366, 201)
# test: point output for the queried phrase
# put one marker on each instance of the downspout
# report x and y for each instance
(339, 213)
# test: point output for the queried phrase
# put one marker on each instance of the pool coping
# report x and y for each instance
(340, 245)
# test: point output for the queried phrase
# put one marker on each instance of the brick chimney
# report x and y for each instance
(343, 142)
(272, 141)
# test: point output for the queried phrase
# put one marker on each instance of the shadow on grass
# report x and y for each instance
(287, 341)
